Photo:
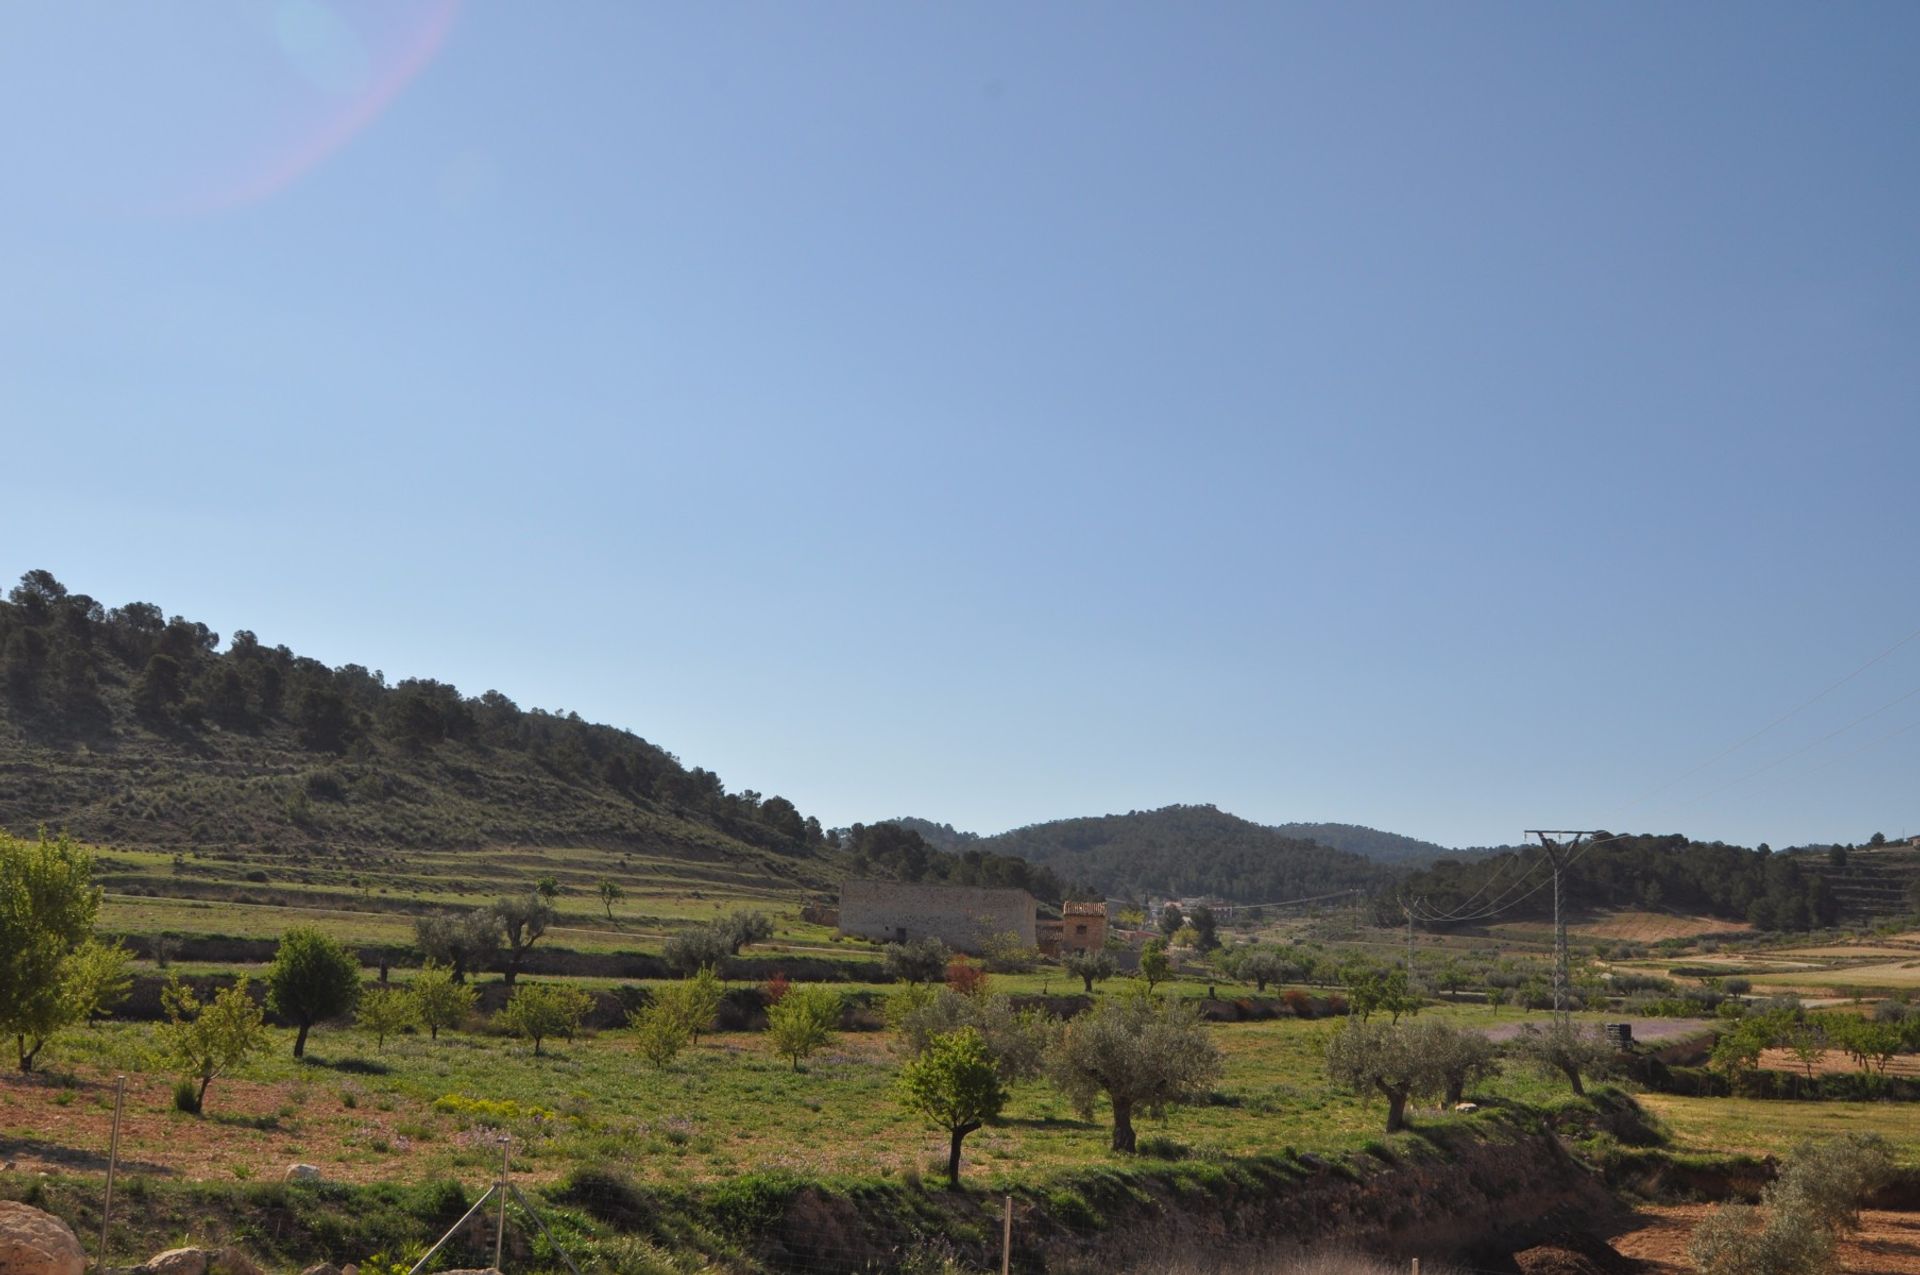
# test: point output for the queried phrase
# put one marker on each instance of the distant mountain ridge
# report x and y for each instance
(1186, 850)
(1372, 843)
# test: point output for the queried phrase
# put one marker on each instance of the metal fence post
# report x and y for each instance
(113, 1161)
(500, 1230)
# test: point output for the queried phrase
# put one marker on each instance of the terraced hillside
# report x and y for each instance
(1872, 884)
(255, 779)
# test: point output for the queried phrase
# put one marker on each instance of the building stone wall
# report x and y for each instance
(1083, 927)
(959, 916)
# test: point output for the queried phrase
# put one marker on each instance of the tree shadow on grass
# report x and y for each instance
(89, 1159)
(1047, 1122)
(349, 1066)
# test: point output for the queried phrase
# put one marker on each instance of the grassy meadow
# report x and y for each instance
(419, 1109)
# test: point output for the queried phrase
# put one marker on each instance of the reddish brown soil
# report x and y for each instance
(1834, 1061)
(1886, 1244)
(244, 1134)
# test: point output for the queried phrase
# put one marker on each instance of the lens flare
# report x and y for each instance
(353, 70)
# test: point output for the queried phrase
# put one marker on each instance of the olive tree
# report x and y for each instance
(1564, 1048)
(1818, 1194)
(1141, 1052)
(465, 944)
(522, 920)
(956, 1087)
(692, 950)
(1261, 966)
(1090, 967)
(1016, 1040)
(1461, 1057)
(1396, 1061)
(313, 977)
(915, 961)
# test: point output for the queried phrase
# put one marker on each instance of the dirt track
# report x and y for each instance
(1886, 1244)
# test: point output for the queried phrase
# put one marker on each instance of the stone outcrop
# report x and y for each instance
(33, 1242)
(176, 1261)
(196, 1261)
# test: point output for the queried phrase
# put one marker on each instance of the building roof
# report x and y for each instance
(1083, 909)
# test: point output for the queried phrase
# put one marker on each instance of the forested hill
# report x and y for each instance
(1383, 847)
(1187, 850)
(129, 728)
(941, 836)
(1773, 891)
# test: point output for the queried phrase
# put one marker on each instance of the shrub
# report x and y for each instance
(915, 961)
(186, 1097)
(966, 978)
(1006, 953)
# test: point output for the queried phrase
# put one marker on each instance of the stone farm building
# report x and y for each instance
(962, 917)
(1082, 927)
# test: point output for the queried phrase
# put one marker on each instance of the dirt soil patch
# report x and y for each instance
(1651, 927)
(1886, 1244)
(1834, 1062)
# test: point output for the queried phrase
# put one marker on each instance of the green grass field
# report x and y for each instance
(421, 1108)
(1773, 1127)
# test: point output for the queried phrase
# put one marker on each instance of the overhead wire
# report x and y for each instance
(1795, 711)
(1798, 752)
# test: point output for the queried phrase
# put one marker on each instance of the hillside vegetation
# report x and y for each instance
(213, 770)
(1382, 847)
(1772, 891)
(1187, 850)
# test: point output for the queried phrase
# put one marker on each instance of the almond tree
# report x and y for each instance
(956, 1087)
(208, 1038)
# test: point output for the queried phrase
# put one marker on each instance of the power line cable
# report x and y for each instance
(1802, 750)
(1784, 717)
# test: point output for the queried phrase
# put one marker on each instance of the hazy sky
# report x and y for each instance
(1452, 418)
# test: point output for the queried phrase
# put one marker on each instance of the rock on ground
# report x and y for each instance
(36, 1243)
(176, 1261)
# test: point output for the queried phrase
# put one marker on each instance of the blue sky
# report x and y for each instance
(1454, 419)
